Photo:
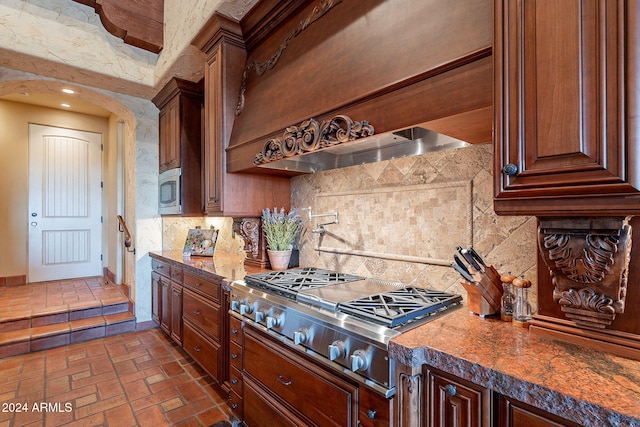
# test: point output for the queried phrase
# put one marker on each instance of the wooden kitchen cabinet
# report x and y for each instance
(186, 305)
(165, 305)
(518, 414)
(156, 297)
(225, 193)
(169, 136)
(280, 386)
(176, 312)
(452, 401)
(567, 85)
(203, 323)
(180, 139)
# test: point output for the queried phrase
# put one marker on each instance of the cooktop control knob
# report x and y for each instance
(337, 350)
(259, 315)
(301, 336)
(273, 321)
(235, 305)
(245, 308)
(359, 360)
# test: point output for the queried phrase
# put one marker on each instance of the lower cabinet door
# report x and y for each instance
(203, 350)
(452, 402)
(176, 312)
(517, 414)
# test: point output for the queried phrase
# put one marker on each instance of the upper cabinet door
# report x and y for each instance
(169, 154)
(566, 90)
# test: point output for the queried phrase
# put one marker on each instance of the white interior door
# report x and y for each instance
(65, 227)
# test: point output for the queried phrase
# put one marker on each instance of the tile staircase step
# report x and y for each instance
(54, 326)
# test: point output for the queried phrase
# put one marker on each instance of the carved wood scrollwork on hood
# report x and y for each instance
(312, 136)
(588, 259)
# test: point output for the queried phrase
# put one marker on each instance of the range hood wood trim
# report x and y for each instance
(468, 80)
(395, 64)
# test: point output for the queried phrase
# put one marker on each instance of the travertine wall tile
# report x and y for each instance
(381, 231)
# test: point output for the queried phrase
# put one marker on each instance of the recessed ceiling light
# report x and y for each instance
(65, 105)
(69, 91)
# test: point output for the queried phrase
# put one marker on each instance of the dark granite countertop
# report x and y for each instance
(589, 387)
(227, 265)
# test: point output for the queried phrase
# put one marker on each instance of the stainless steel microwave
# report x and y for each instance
(169, 192)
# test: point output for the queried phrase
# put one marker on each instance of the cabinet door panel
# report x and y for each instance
(165, 306)
(562, 78)
(517, 414)
(176, 312)
(213, 144)
(452, 403)
(156, 297)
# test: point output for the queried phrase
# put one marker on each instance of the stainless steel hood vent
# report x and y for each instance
(376, 148)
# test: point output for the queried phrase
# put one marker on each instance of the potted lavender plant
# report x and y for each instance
(281, 231)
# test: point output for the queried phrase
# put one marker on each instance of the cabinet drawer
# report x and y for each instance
(160, 267)
(235, 355)
(299, 383)
(202, 313)
(207, 287)
(176, 273)
(205, 352)
(263, 411)
(374, 409)
(235, 380)
(235, 330)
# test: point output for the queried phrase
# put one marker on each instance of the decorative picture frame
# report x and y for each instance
(200, 242)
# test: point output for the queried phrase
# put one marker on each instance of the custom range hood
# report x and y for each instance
(369, 149)
(328, 83)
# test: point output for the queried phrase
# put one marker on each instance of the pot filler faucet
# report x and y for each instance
(320, 226)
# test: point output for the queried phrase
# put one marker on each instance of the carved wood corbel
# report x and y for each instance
(250, 229)
(588, 259)
(312, 136)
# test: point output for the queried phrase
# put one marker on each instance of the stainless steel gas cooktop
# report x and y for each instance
(344, 321)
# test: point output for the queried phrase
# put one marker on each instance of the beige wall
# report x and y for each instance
(400, 220)
(14, 143)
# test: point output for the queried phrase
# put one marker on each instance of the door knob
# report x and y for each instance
(510, 169)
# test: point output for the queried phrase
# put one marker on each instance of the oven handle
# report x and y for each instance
(283, 381)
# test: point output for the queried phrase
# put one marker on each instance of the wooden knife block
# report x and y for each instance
(484, 296)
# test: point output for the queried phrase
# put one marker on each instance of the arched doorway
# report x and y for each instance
(120, 162)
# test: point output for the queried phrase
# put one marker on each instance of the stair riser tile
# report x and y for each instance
(88, 334)
(115, 308)
(50, 319)
(85, 314)
(14, 349)
(50, 342)
(15, 325)
(120, 328)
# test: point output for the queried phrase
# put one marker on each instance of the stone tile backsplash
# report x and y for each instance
(400, 220)
(174, 232)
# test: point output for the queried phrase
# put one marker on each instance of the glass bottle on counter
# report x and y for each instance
(506, 303)
(522, 308)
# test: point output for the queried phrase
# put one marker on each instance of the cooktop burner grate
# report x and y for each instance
(290, 282)
(400, 306)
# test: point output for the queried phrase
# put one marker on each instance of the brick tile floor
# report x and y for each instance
(136, 379)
